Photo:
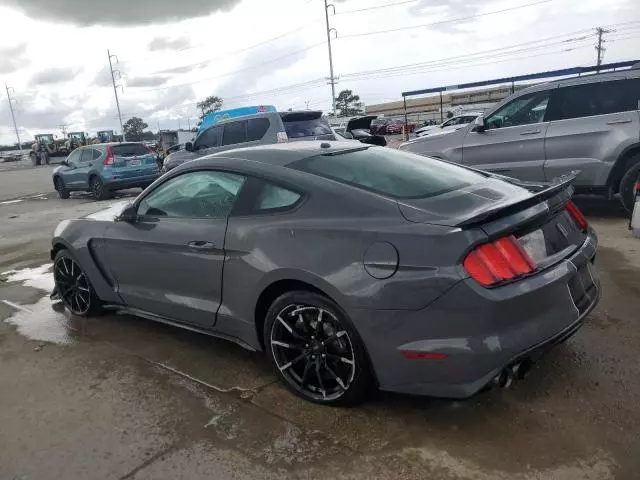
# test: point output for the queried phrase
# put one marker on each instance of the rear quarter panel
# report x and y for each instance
(324, 243)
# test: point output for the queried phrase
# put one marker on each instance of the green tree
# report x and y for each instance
(208, 105)
(348, 104)
(134, 129)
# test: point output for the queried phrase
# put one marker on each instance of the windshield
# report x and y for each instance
(391, 172)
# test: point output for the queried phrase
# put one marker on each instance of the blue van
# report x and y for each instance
(104, 168)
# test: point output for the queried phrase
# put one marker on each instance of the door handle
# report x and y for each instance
(530, 132)
(617, 122)
(201, 245)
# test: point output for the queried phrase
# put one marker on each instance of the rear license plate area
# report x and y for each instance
(134, 163)
(583, 288)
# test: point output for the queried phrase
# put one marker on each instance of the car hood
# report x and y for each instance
(360, 123)
(454, 208)
(110, 213)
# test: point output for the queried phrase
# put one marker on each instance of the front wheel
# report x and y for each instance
(627, 187)
(73, 286)
(60, 188)
(97, 189)
(315, 350)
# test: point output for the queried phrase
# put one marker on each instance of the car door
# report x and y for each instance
(591, 124)
(512, 142)
(84, 167)
(169, 262)
(72, 177)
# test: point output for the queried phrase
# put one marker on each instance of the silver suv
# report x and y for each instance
(589, 123)
(249, 130)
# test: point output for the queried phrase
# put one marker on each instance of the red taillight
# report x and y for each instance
(577, 215)
(495, 262)
(109, 159)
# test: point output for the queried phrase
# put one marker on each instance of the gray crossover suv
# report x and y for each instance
(589, 123)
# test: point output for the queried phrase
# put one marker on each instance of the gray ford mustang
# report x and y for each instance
(351, 266)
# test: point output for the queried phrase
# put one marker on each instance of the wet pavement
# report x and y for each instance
(117, 396)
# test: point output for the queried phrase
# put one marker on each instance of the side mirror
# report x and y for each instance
(129, 214)
(478, 124)
(188, 147)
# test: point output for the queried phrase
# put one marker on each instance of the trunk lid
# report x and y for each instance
(538, 219)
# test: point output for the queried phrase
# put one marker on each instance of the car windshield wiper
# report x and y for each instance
(345, 150)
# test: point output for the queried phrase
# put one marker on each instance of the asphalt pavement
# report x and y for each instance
(121, 397)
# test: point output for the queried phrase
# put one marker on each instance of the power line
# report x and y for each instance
(377, 7)
(441, 22)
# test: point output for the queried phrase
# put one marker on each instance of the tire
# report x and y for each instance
(627, 185)
(58, 183)
(73, 286)
(335, 373)
(97, 188)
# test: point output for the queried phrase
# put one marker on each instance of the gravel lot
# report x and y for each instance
(122, 397)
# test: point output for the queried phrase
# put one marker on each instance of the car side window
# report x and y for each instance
(74, 157)
(235, 132)
(591, 99)
(87, 155)
(204, 194)
(273, 196)
(210, 138)
(524, 110)
(96, 154)
(257, 128)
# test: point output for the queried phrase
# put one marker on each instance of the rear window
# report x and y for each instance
(306, 128)
(391, 172)
(129, 150)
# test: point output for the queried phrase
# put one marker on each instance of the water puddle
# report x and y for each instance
(42, 320)
(38, 277)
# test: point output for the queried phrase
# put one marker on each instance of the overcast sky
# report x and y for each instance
(172, 54)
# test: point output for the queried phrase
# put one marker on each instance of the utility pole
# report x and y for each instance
(115, 90)
(332, 79)
(64, 129)
(600, 47)
(13, 116)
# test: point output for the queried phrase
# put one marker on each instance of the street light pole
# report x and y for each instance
(332, 79)
(115, 92)
(13, 116)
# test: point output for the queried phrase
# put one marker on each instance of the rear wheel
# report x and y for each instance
(315, 350)
(60, 188)
(73, 286)
(627, 185)
(97, 188)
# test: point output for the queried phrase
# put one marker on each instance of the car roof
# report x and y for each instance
(281, 154)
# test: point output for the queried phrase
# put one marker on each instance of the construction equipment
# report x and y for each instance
(104, 136)
(75, 140)
(46, 146)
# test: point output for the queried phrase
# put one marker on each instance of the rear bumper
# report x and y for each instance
(481, 331)
(133, 182)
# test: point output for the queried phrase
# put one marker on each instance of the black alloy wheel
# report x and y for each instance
(627, 185)
(315, 350)
(72, 286)
(60, 188)
(97, 188)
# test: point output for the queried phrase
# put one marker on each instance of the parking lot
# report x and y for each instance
(121, 397)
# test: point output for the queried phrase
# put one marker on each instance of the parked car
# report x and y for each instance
(359, 128)
(250, 130)
(351, 266)
(395, 127)
(454, 123)
(589, 123)
(104, 168)
(379, 126)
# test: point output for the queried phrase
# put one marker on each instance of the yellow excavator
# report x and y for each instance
(46, 146)
(75, 140)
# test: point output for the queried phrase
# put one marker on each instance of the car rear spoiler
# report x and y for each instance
(542, 192)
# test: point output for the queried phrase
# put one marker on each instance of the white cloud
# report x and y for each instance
(167, 68)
